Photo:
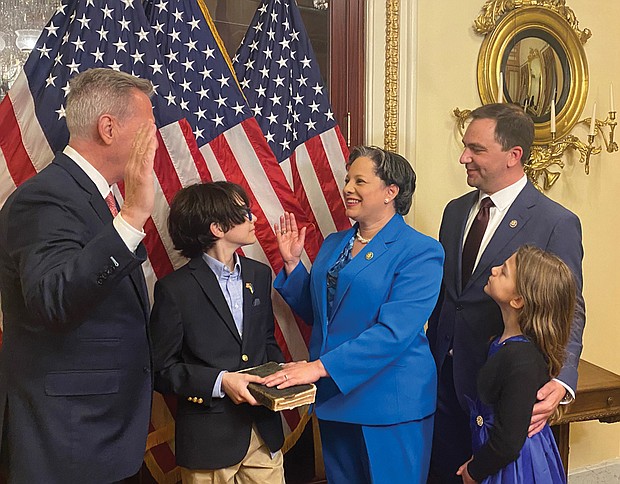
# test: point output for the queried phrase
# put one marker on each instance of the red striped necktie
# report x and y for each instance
(111, 204)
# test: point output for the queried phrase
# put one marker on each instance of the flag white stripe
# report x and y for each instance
(34, 140)
(337, 160)
(314, 192)
(7, 186)
(212, 164)
(253, 172)
(180, 153)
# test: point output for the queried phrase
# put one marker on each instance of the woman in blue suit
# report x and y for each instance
(368, 295)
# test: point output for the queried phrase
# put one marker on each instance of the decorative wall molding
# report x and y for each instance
(392, 28)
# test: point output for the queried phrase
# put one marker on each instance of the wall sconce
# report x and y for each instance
(532, 55)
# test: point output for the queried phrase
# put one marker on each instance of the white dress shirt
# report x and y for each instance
(131, 236)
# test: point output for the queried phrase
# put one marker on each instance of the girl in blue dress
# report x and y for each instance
(536, 292)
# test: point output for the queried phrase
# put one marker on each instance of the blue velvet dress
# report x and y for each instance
(539, 461)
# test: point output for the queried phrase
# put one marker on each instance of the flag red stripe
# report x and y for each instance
(328, 184)
(280, 185)
(156, 250)
(164, 456)
(166, 173)
(300, 193)
(17, 160)
(199, 160)
(282, 343)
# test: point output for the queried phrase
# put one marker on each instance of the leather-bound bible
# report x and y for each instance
(274, 398)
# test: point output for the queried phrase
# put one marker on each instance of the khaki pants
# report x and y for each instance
(257, 467)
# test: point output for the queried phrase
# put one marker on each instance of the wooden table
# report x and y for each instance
(597, 398)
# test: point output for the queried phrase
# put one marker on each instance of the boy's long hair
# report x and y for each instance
(548, 289)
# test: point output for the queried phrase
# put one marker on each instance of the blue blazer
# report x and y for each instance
(374, 347)
(466, 320)
(75, 362)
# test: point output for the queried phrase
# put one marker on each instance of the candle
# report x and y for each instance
(593, 120)
(611, 98)
(553, 115)
(500, 88)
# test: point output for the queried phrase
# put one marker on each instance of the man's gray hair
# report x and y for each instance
(100, 91)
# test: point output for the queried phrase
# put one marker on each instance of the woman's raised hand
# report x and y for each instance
(290, 241)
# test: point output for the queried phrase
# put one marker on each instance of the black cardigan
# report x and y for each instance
(508, 381)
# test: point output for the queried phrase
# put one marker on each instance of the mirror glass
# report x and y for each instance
(534, 76)
(541, 57)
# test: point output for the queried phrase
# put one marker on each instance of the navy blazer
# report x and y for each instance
(194, 338)
(466, 319)
(374, 346)
(75, 362)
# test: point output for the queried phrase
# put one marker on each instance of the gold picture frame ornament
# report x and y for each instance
(546, 22)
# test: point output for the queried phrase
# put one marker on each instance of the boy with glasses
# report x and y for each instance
(212, 318)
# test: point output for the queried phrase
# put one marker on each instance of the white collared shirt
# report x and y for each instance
(131, 236)
(502, 200)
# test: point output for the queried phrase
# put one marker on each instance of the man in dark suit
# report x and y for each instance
(496, 144)
(75, 381)
(211, 318)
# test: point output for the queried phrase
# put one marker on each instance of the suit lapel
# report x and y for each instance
(210, 286)
(139, 281)
(369, 256)
(94, 196)
(248, 276)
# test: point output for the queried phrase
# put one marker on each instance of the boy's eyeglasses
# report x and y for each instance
(248, 213)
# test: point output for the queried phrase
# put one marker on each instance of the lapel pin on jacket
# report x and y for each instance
(248, 285)
(513, 223)
(369, 255)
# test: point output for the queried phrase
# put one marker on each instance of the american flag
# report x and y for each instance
(80, 35)
(281, 80)
(234, 149)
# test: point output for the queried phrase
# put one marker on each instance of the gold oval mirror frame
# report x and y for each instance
(541, 57)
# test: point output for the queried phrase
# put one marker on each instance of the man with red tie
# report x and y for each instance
(75, 370)
(480, 230)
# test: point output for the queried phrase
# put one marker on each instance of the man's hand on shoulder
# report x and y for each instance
(549, 397)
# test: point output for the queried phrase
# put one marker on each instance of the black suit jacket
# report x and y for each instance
(194, 338)
(466, 319)
(75, 361)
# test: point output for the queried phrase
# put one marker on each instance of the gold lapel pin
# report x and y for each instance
(513, 223)
(248, 285)
(369, 255)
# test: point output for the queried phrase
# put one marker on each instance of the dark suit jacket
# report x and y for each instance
(75, 360)
(194, 338)
(465, 320)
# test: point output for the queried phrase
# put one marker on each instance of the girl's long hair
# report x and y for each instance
(548, 289)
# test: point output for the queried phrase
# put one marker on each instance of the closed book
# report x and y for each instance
(274, 398)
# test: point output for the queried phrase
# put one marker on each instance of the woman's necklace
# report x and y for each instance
(361, 239)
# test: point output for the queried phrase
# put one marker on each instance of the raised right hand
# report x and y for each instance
(290, 241)
(139, 177)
